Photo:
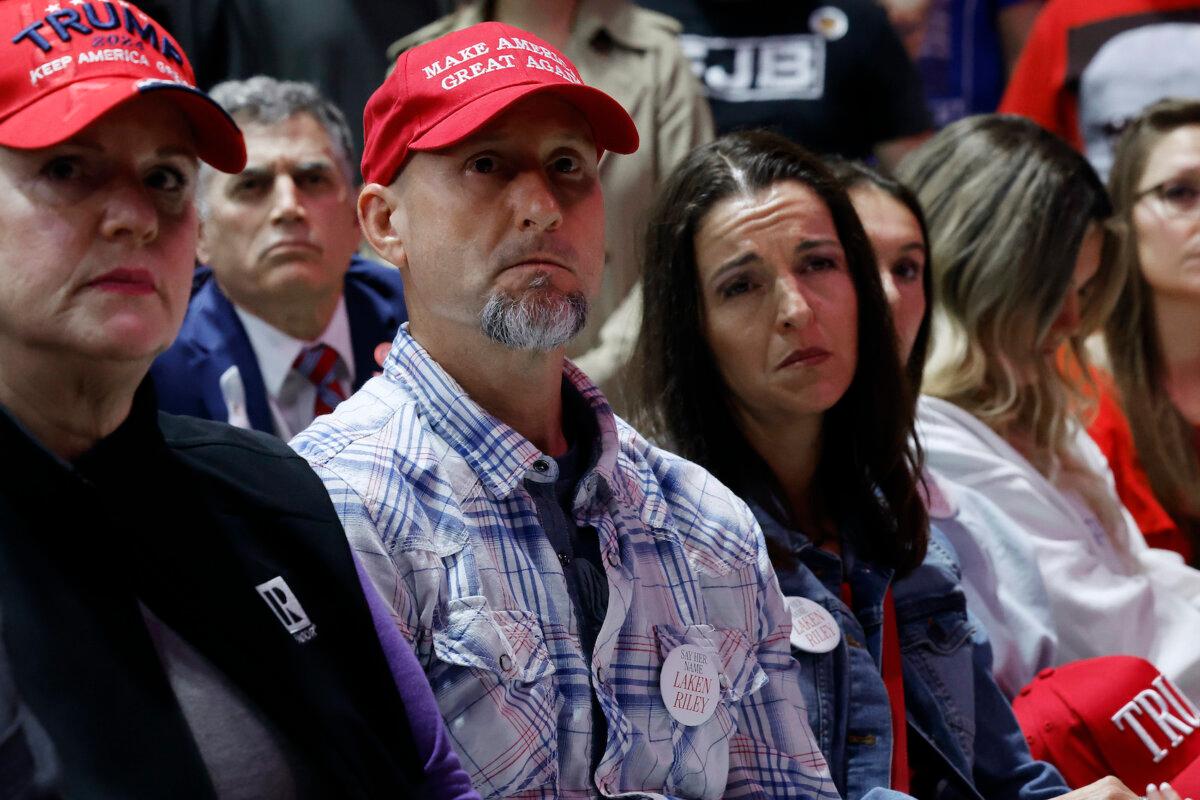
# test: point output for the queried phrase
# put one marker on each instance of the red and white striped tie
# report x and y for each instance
(317, 364)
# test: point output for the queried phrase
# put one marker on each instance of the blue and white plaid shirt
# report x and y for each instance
(430, 488)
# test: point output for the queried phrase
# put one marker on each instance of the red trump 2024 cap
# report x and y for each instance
(443, 91)
(68, 62)
(1114, 715)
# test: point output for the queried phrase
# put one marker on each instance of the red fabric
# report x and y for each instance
(893, 678)
(317, 363)
(1070, 717)
(444, 90)
(1040, 87)
(56, 77)
(1112, 433)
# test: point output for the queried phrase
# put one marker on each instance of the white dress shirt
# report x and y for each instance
(289, 393)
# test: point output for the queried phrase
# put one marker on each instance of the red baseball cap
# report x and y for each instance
(1115, 715)
(69, 62)
(442, 91)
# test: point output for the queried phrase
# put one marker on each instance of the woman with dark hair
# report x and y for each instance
(768, 356)
(900, 241)
(867, 465)
(1149, 421)
(1022, 273)
(1015, 612)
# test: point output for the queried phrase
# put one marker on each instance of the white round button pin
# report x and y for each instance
(830, 22)
(814, 629)
(689, 684)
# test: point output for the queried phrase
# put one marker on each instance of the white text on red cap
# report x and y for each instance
(1154, 702)
(538, 57)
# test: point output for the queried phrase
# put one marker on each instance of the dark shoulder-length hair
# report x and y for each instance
(869, 466)
(854, 174)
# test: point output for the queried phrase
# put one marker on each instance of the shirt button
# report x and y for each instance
(599, 674)
(590, 484)
(505, 662)
(564, 559)
(541, 465)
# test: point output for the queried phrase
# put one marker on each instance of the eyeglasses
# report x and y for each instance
(1176, 198)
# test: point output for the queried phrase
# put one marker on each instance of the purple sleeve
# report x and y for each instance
(444, 776)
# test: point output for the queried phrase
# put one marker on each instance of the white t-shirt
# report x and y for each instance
(1105, 596)
(1004, 595)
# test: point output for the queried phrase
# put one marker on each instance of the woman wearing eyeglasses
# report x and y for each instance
(1022, 273)
(1149, 420)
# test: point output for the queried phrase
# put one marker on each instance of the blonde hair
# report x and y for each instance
(1163, 438)
(1008, 206)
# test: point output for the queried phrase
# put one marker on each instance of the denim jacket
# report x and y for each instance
(948, 684)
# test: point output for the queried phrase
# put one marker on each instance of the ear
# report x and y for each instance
(203, 253)
(383, 221)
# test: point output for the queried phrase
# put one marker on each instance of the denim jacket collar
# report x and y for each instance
(868, 581)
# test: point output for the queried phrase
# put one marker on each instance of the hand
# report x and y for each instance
(381, 351)
(1162, 792)
(1111, 788)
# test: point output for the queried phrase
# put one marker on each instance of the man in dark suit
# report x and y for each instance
(284, 318)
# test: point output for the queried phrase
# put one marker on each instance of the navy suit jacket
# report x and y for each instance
(187, 376)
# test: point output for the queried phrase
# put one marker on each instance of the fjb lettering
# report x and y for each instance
(109, 25)
(471, 63)
(758, 68)
(1170, 711)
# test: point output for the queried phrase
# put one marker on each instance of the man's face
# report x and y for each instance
(98, 235)
(505, 230)
(287, 224)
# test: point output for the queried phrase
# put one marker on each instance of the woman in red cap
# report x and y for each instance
(179, 612)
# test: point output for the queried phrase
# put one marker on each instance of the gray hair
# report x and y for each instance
(264, 100)
(528, 320)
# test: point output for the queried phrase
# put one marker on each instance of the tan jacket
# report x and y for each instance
(632, 54)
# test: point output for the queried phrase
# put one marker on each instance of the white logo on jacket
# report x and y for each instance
(287, 609)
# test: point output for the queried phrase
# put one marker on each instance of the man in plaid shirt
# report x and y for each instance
(597, 617)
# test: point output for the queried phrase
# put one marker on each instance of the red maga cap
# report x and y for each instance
(443, 91)
(1115, 715)
(68, 62)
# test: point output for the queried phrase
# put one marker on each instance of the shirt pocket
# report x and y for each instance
(700, 753)
(937, 645)
(494, 682)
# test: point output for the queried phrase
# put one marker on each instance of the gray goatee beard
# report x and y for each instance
(537, 318)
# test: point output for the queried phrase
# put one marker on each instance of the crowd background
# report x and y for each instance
(861, 79)
(867, 80)
(995, 473)
(857, 78)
